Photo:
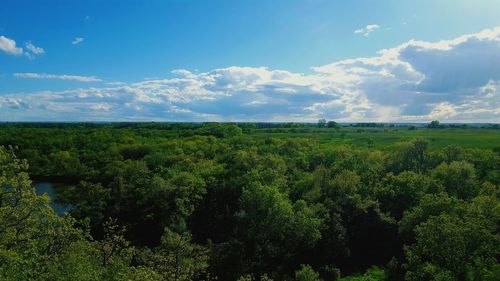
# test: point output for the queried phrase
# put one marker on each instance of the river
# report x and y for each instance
(48, 187)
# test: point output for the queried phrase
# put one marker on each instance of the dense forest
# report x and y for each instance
(220, 201)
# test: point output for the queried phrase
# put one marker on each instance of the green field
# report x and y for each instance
(384, 137)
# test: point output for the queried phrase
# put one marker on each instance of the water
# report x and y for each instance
(47, 187)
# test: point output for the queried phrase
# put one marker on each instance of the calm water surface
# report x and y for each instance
(48, 187)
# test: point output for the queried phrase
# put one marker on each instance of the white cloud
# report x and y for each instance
(367, 29)
(9, 46)
(34, 49)
(451, 80)
(60, 77)
(13, 103)
(77, 40)
(101, 106)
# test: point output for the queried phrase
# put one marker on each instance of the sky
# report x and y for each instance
(250, 60)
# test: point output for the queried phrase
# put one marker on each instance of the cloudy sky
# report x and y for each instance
(250, 60)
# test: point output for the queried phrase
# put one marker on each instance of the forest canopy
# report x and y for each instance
(220, 201)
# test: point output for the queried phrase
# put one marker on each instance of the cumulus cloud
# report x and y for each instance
(77, 40)
(34, 49)
(450, 80)
(8, 46)
(367, 29)
(30, 75)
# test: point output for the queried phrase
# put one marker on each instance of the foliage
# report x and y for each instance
(434, 124)
(244, 201)
(372, 274)
(306, 273)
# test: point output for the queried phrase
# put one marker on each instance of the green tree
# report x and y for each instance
(32, 236)
(451, 248)
(250, 277)
(452, 153)
(273, 230)
(458, 179)
(398, 193)
(429, 206)
(372, 274)
(410, 156)
(64, 164)
(113, 246)
(76, 262)
(307, 273)
(321, 123)
(333, 124)
(88, 200)
(177, 258)
(434, 124)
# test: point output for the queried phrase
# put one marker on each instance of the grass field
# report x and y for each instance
(383, 137)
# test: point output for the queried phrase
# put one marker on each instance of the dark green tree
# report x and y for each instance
(434, 124)
(321, 123)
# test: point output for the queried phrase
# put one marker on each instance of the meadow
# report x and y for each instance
(381, 138)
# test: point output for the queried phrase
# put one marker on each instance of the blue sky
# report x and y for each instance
(185, 60)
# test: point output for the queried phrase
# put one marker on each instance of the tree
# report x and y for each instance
(273, 231)
(333, 124)
(453, 239)
(321, 123)
(21, 210)
(410, 156)
(250, 277)
(434, 124)
(374, 273)
(452, 153)
(306, 273)
(76, 262)
(453, 248)
(64, 164)
(177, 258)
(398, 193)
(88, 200)
(370, 142)
(429, 206)
(220, 130)
(458, 179)
(113, 244)
(343, 188)
(32, 236)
